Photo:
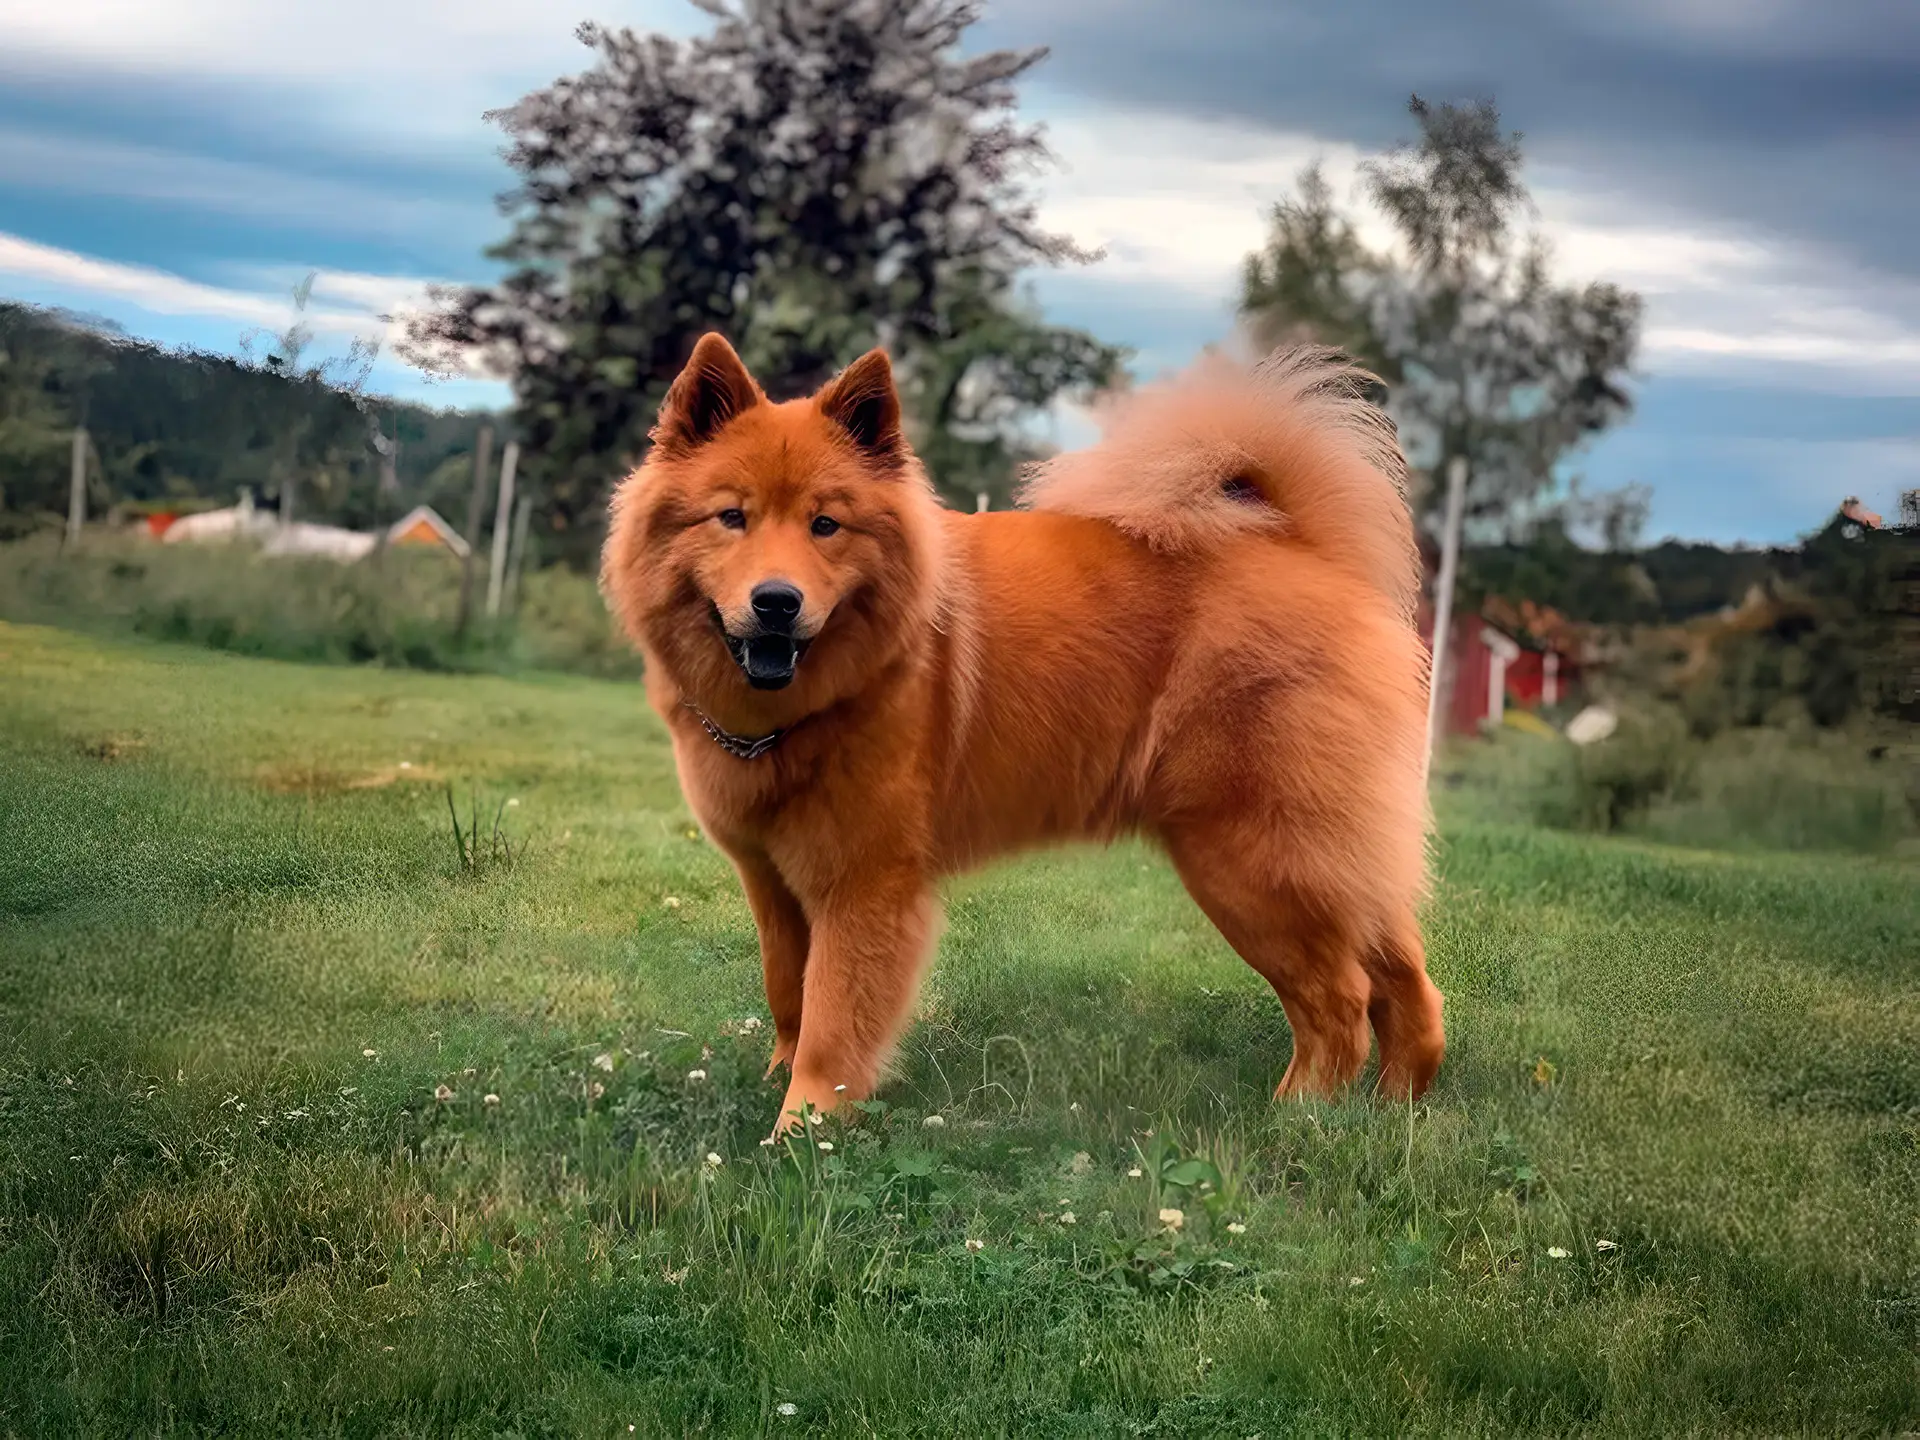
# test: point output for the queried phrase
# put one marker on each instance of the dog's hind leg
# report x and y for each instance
(1304, 948)
(1405, 1010)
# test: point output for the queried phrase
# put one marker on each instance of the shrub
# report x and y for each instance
(401, 609)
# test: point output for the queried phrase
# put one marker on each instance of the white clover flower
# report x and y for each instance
(1067, 1217)
(672, 902)
(826, 1145)
(371, 1054)
(1234, 1227)
(442, 1093)
(1173, 1219)
(976, 1245)
(934, 1122)
(787, 1408)
(714, 1162)
(1134, 1173)
(1557, 1253)
(696, 1074)
(603, 1061)
(489, 1099)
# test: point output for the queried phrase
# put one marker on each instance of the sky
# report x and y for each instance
(1751, 167)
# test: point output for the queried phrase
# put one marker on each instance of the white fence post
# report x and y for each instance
(1443, 594)
(502, 524)
(476, 505)
(519, 562)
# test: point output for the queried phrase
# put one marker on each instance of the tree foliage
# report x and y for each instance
(810, 177)
(1487, 357)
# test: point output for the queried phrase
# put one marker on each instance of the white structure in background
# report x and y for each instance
(235, 522)
(1593, 724)
(421, 525)
(330, 542)
(1501, 652)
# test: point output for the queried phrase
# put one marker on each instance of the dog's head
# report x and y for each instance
(773, 546)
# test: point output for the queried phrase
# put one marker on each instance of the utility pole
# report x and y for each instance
(521, 516)
(502, 525)
(1443, 595)
(482, 453)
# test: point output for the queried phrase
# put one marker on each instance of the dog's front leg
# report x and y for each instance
(784, 940)
(870, 944)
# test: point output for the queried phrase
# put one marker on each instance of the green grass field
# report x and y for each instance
(1668, 1183)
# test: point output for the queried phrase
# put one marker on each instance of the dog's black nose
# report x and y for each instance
(776, 605)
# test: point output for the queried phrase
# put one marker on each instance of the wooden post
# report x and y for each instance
(482, 453)
(502, 523)
(77, 486)
(1443, 595)
(520, 519)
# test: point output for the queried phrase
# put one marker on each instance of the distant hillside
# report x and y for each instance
(1663, 584)
(186, 428)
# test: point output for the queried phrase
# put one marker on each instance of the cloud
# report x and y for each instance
(1800, 117)
(49, 161)
(410, 73)
(148, 288)
(1179, 201)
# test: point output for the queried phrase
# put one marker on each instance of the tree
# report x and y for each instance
(995, 364)
(810, 177)
(1487, 358)
(313, 438)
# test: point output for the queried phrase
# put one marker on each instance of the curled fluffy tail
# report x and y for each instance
(1290, 447)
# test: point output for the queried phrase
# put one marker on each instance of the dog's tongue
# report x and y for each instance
(770, 659)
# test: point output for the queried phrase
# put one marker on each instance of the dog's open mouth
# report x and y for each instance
(766, 659)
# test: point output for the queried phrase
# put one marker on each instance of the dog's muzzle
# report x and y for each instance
(767, 655)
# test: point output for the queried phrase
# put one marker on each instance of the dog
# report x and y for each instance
(1199, 629)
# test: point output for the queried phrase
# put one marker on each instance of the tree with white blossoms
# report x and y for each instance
(810, 177)
(1486, 357)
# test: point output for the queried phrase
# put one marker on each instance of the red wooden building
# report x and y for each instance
(1524, 656)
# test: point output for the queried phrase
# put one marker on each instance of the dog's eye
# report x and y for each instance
(824, 525)
(733, 518)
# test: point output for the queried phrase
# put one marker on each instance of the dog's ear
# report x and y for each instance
(713, 389)
(862, 401)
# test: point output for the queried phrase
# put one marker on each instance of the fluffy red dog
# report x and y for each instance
(1200, 630)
